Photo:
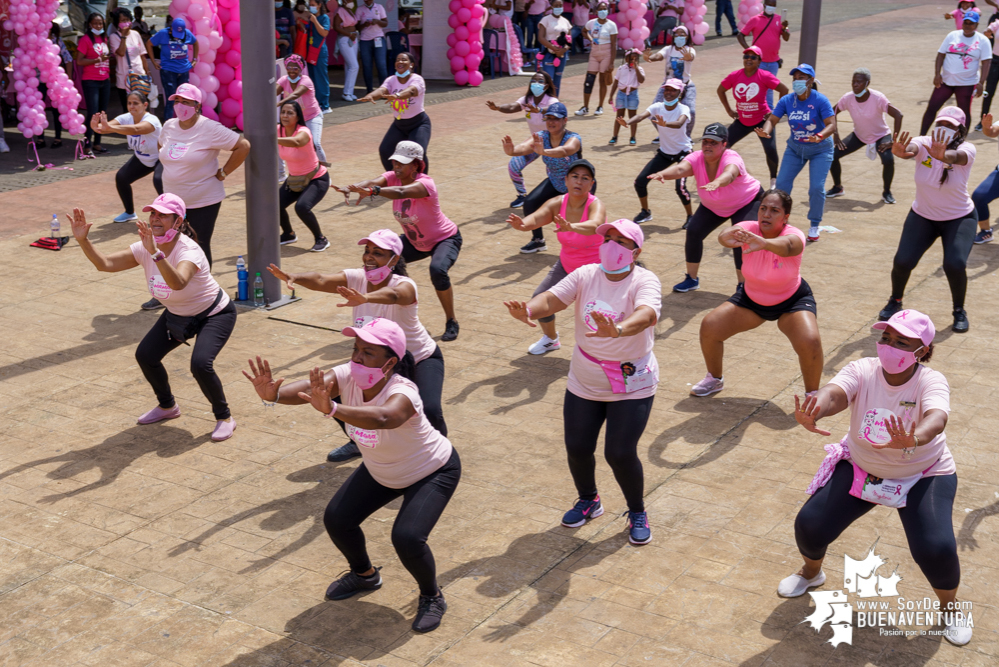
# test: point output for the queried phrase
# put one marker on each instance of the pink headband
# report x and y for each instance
(295, 60)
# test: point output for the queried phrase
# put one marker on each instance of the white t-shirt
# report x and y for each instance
(676, 66)
(143, 145)
(418, 341)
(591, 290)
(200, 291)
(135, 48)
(395, 457)
(866, 387)
(672, 141)
(600, 33)
(963, 56)
(191, 159)
(555, 26)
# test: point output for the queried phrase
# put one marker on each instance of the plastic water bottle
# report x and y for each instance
(243, 288)
(54, 227)
(258, 291)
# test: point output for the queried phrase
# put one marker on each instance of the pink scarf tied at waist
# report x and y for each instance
(836, 452)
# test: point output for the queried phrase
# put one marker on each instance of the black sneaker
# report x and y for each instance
(152, 304)
(686, 222)
(533, 246)
(351, 584)
(835, 191)
(344, 453)
(893, 306)
(321, 244)
(645, 215)
(887, 198)
(960, 321)
(429, 613)
(450, 330)
(288, 238)
(518, 202)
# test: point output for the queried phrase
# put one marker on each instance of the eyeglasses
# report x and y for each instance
(750, 56)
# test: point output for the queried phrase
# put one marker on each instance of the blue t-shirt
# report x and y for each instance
(174, 56)
(804, 117)
(558, 167)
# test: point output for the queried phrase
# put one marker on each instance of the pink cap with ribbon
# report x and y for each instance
(911, 324)
(380, 331)
(384, 238)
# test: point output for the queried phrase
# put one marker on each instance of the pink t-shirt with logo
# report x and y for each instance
(422, 220)
(395, 457)
(310, 107)
(373, 13)
(750, 93)
(190, 160)
(91, 48)
(591, 290)
(728, 199)
(201, 290)
(411, 106)
(771, 278)
(418, 341)
(949, 201)
(301, 160)
(536, 121)
(866, 388)
(766, 35)
(868, 117)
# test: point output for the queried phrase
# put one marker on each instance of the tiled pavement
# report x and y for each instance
(127, 545)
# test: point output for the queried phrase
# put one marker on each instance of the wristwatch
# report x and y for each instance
(158, 255)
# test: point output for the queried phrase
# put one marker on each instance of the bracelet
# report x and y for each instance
(528, 309)
(333, 411)
(620, 331)
(376, 191)
(916, 439)
(158, 255)
(268, 405)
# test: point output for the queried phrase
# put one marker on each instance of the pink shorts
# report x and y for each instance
(601, 58)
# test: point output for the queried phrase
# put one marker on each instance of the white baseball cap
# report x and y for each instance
(407, 151)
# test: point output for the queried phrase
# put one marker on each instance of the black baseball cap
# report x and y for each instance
(583, 163)
(716, 131)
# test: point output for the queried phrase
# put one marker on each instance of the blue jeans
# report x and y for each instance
(374, 57)
(531, 31)
(985, 193)
(577, 45)
(96, 95)
(171, 80)
(773, 69)
(320, 75)
(724, 7)
(819, 158)
(548, 65)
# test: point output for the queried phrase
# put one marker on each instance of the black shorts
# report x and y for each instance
(803, 299)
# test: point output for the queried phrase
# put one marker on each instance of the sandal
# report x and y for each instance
(56, 144)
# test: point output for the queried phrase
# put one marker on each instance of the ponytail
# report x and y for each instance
(406, 366)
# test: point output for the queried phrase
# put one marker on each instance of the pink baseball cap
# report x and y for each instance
(625, 228)
(754, 49)
(188, 92)
(167, 203)
(380, 331)
(952, 114)
(384, 238)
(911, 324)
(674, 83)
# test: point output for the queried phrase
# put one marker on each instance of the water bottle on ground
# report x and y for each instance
(243, 286)
(258, 291)
(54, 227)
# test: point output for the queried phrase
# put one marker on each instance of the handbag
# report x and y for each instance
(312, 54)
(137, 83)
(299, 183)
(181, 328)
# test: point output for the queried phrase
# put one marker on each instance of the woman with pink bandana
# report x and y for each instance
(613, 374)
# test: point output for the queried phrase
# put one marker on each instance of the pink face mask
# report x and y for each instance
(184, 112)
(365, 377)
(377, 276)
(170, 235)
(615, 258)
(894, 360)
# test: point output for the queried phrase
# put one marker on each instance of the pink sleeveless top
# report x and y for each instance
(578, 249)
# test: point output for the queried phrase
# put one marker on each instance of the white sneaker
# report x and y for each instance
(4, 148)
(599, 111)
(957, 633)
(796, 585)
(546, 344)
(582, 111)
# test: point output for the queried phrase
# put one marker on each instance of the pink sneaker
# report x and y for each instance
(709, 385)
(159, 414)
(223, 430)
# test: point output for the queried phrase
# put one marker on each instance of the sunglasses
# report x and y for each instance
(750, 56)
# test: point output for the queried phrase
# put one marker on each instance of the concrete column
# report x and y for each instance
(435, 31)
(809, 46)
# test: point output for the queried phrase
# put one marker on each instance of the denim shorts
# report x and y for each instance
(629, 101)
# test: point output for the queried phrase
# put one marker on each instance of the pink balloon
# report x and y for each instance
(214, 41)
(453, 21)
(458, 62)
(454, 6)
(475, 78)
(224, 73)
(452, 39)
(232, 59)
(697, 38)
(224, 14)
(461, 77)
(631, 14)
(228, 121)
(239, 120)
(461, 32)
(627, 43)
(468, 4)
(202, 43)
(236, 45)
(232, 30)
(211, 100)
(202, 69)
(463, 15)
(644, 33)
(210, 113)
(194, 80)
(179, 6)
(231, 107)
(208, 56)
(474, 25)
(462, 49)
(226, 43)
(196, 11)
(236, 90)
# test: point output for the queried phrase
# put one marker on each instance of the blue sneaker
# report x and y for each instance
(582, 511)
(688, 285)
(126, 217)
(638, 528)
(519, 201)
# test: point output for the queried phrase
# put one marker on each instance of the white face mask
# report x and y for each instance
(948, 133)
(768, 10)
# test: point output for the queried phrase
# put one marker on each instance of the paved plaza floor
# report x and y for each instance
(151, 545)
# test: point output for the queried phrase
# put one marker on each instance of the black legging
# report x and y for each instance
(442, 258)
(704, 221)
(626, 422)
(304, 201)
(918, 234)
(209, 342)
(202, 220)
(852, 144)
(926, 519)
(422, 505)
(96, 95)
(659, 162)
(415, 129)
(737, 131)
(129, 173)
(990, 85)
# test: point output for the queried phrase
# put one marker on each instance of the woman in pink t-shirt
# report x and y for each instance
(178, 275)
(540, 95)
(298, 86)
(613, 374)
(895, 454)
(403, 457)
(727, 192)
(93, 54)
(942, 209)
(774, 291)
(576, 215)
(866, 107)
(308, 180)
(428, 232)
(404, 92)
